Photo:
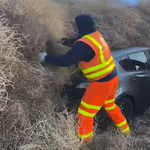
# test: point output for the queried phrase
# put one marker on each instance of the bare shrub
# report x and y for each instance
(48, 137)
(121, 26)
(41, 26)
(32, 113)
(28, 90)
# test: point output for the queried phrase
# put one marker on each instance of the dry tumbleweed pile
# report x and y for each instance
(32, 114)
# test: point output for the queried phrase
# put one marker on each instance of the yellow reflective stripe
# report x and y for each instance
(98, 45)
(90, 106)
(97, 67)
(110, 108)
(86, 135)
(85, 113)
(109, 101)
(100, 73)
(126, 130)
(121, 124)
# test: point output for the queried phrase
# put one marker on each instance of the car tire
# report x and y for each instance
(127, 108)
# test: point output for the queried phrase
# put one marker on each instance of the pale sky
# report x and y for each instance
(128, 2)
(131, 2)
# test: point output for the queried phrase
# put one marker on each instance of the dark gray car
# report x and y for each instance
(133, 94)
(133, 66)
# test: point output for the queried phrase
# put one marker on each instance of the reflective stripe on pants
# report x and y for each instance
(98, 95)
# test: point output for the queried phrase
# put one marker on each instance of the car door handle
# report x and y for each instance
(140, 75)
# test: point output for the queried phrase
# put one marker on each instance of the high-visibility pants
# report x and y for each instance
(99, 94)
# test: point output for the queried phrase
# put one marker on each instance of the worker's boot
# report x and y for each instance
(126, 129)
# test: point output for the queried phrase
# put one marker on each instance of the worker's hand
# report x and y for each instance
(68, 41)
(42, 56)
(65, 41)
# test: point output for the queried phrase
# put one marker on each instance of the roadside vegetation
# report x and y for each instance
(32, 113)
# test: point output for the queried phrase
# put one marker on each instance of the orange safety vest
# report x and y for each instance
(103, 63)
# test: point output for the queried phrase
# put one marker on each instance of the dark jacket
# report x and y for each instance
(80, 50)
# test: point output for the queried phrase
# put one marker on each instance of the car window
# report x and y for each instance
(138, 61)
(124, 62)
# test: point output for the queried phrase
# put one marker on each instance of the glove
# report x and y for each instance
(68, 41)
(42, 56)
(65, 41)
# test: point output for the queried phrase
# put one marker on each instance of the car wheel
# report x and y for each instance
(127, 108)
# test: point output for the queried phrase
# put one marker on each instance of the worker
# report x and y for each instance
(93, 55)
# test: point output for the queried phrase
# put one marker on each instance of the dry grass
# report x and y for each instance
(122, 27)
(32, 114)
(28, 90)
(139, 139)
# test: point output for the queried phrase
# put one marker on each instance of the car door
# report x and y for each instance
(140, 79)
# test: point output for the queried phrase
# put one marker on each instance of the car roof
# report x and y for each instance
(121, 52)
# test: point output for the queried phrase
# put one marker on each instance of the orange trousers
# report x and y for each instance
(98, 95)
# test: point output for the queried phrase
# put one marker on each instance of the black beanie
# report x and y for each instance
(85, 24)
